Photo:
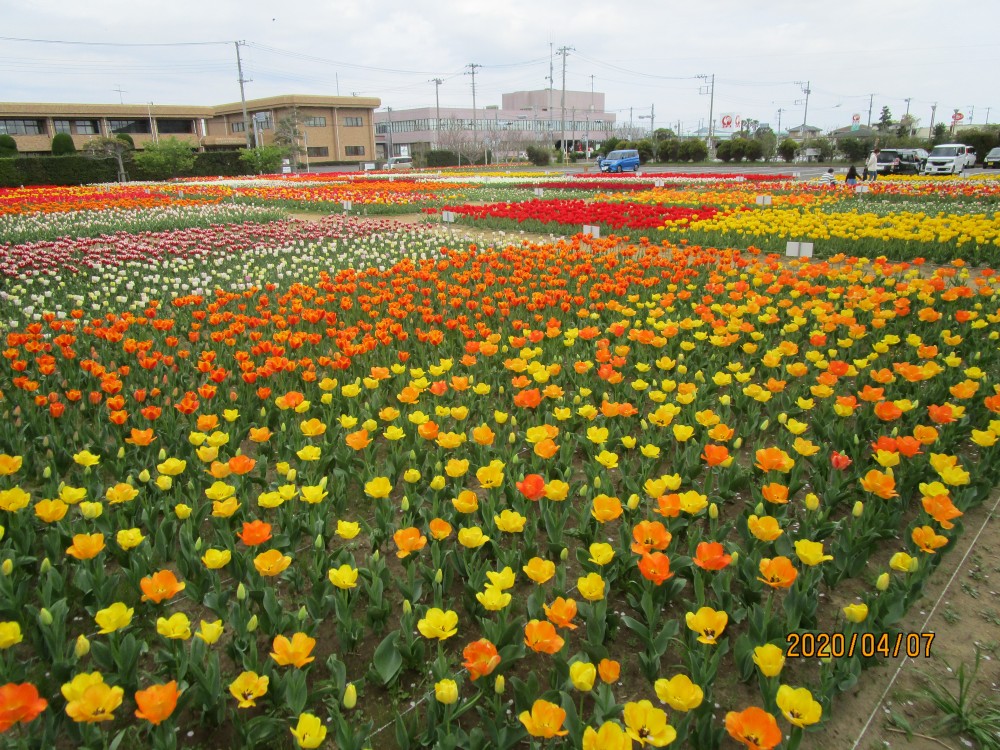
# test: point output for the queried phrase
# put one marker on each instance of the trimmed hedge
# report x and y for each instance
(81, 170)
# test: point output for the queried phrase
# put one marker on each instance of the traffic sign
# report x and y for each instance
(856, 119)
(958, 117)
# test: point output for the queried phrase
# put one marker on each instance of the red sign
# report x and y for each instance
(727, 121)
(856, 118)
(958, 117)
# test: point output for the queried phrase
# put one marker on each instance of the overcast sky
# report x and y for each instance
(642, 55)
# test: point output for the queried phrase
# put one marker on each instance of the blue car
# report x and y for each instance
(626, 160)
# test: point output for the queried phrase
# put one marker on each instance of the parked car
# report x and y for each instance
(970, 156)
(948, 158)
(625, 160)
(399, 162)
(992, 160)
(920, 153)
(898, 161)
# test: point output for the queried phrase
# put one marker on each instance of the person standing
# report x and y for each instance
(871, 166)
(852, 176)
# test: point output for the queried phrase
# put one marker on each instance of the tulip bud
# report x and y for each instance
(738, 443)
(303, 613)
(252, 624)
(859, 508)
(47, 472)
(644, 425)
(633, 501)
(882, 583)
(597, 483)
(323, 482)
(46, 565)
(499, 684)
(713, 511)
(241, 593)
(121, 452)
(564, 554)
(515, 460)
(162, 454)
(319, 544)
(783, 418)
(736, 557)
(376, 556)
(144, 476)
(404, 504)
(857, 440)
(759, 510)
(284, 428)
(290, 476)
(812, 501)
(407, 607)
(895, 432)
(44, 616)
(350, 696)
(198, 543)
(439, 576)
(82, 647)
(764, 424)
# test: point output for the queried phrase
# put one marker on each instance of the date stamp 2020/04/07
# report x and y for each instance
(824, 645)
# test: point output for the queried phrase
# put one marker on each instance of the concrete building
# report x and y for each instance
(334, 128)
(524, 118)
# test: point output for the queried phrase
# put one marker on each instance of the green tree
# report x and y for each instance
(907, 124)
(787, 149)
(663, 134)
(288, 135)
(110, 148)
(62, 144)
(610, 145)
(8, 147)
(753, 150)
(263, 159)
(171, 157)
(982, 139)
(667, 150)
(940, 134)
(884, 120)
(855, 149)
(824, 146)
(646, 149)
(768, 142)
(692, 150)
(724, 151)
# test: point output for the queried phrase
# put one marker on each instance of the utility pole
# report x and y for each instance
(152, 123)
(972, 111)
(871, 102)
(907, 100)
(805, 115)
(987, 116)
(243, 96)
(591, 92)
(930, 129)
(437, 111)
(551, 84)
(121, 92)
(710, 90)
(472, 71)
(564, 51)
(388, 133)
(652, 121)
(780, 110)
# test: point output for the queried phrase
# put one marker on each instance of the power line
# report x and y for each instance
(108, 44)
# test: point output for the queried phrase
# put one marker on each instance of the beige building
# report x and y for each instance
(334, 128)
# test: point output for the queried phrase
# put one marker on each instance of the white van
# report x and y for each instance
(948, 158)
(399, 162)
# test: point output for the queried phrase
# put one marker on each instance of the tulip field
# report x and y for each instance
(354, 482)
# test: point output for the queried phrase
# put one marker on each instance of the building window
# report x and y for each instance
(314, 122)
(175, 127)
(353, 122)
(354, 150)
(61, 126)
(86, 127)
(128, 126)
(239, 127)
(22, 127)
(318, 151)
(262, 120)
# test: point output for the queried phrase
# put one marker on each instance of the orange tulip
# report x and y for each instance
(532, 486)
(440, 529)
(140, 437)
(254, 533)
(775, 493)
(655, 568)
(295, 652)
(927, 539)
(941, 509)
(880, 484)
(358, 440)
(428, 430)
(650, 536)
(529, 399)
(481, 658)
(774, 459)
(157, 702)
(711, 556)
(408, 541)
(715, 455)
(541, 637)
(669, 506)
(86, 546)
(545, 720)
(887, 411)
(19, 704)
(925, 434)
(160, 586)
(755, 728)
(777, 572)
(561, 613)
(609, 670)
